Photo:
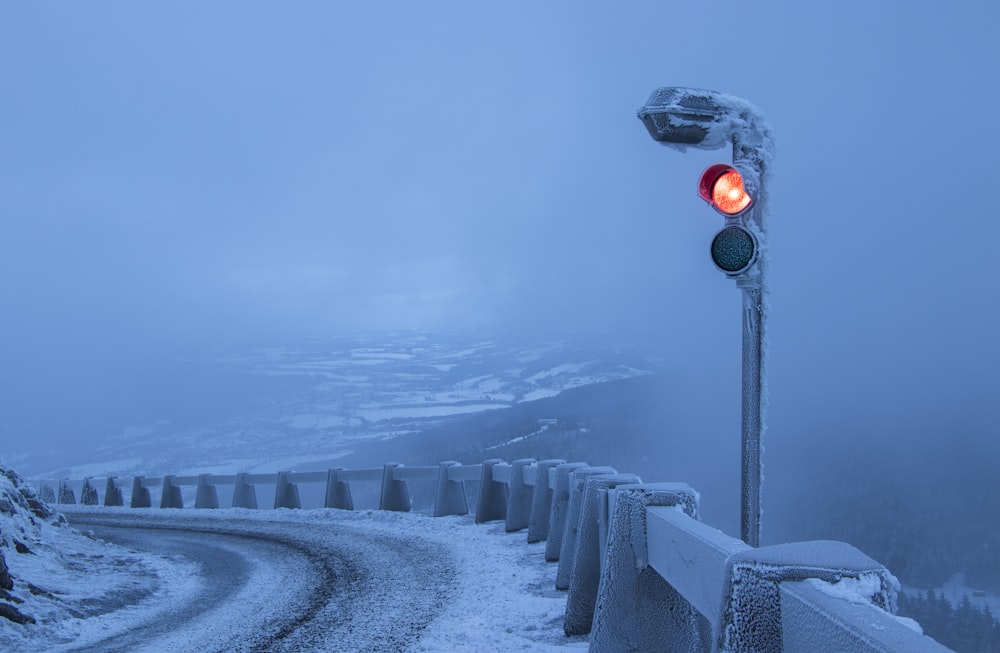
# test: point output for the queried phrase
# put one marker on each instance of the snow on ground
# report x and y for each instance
(541, 393)
(379, 413)
(333, 395)
(60, 578)
(506, 598)
(78, 579)
(558, 370)
(502, 598)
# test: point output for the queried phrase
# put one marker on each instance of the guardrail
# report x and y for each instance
(641, 572)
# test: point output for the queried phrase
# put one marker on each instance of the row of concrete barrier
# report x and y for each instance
(641, 572)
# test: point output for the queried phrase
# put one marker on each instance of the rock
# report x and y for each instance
(10, 612)
(6, 582)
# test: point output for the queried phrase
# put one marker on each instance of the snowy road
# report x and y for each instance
(280, 587)
(238, 580)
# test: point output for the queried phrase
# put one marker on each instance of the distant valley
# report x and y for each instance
(292, 407)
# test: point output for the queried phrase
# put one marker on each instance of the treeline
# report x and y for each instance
(966, 628)
(925, 509)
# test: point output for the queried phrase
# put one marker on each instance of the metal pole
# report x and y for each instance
(754, 286)
(751, 463)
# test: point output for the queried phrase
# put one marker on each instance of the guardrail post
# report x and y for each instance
(492, 504)
(66, 494)
(586, 572)
(541, 502)
(395, 495)
(636, 609)
(112, 493)
(577, 482)
(244, 494)
(751, 617)
(450, 497)
(286, 495)
(338, 492)
(140, 494)
(88, 494)
(171, 497)
(560, 507)
(519, 497)
(206, 495)
(45, 493)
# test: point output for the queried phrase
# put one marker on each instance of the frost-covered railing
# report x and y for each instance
(641, 572)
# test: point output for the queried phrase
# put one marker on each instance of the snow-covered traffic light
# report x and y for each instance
(723, 187)
(734, 249)
(683, 118)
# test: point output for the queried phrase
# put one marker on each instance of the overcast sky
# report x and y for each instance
(181, 174)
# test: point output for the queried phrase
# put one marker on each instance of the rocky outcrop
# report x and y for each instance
(19, 505)
(23, 497)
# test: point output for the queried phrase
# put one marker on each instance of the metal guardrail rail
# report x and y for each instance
(641, 572)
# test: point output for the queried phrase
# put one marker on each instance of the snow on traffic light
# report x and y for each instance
(722, 186)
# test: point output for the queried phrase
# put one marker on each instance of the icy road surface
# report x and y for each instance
(323, 580)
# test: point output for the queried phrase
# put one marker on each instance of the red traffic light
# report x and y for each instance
(722, 186)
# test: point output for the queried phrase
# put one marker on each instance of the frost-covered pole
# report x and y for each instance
(682, 118)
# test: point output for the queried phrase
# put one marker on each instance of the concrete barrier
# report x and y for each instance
(642, 572)
(492, 504)
(518, 496)
(586, 570)
(286, 493)
(567, 550)
(46, 493)
(88, 494)
(541, 500)
(206, 496)
(112, 493)
(338, 492)
(560, 509)
(244, 493)
(684, 586)
(395, 495)
(449, 497)
(637, 609)
(66, 494)
(170, 495)
(140, 494)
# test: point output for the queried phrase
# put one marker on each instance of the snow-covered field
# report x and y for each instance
(284, 407)
(498, 593)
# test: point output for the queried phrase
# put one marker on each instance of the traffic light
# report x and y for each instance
(722, 186)
(734, 248)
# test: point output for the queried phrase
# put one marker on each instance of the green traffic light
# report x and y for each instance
(734, 249)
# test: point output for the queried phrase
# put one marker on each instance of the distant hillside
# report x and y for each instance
(605, 422)
(924, 506)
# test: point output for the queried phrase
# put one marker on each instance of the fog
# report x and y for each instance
(184, 178)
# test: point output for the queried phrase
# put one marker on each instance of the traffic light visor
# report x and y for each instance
(722, 186)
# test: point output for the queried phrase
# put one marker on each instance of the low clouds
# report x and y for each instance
(176, 179)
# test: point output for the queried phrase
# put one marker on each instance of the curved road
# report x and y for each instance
(269, 585)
